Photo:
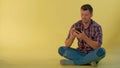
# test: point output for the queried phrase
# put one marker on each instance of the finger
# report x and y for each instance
(77, 32)
(82, 31)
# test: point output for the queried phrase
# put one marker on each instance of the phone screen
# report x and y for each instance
(78, 29)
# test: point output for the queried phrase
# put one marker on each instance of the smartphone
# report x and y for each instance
(78, 29)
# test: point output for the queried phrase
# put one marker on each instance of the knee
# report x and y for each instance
(100, 52)
(61, 50)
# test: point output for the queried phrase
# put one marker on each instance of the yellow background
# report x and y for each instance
(31, 31)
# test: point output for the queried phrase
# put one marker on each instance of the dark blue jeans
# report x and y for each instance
(80, 58)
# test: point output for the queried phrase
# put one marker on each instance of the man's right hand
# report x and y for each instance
(70, 40)
(72, 32)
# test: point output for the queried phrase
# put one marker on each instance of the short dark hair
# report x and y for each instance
(87, 7)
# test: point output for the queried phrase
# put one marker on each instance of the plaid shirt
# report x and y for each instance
(94, 32)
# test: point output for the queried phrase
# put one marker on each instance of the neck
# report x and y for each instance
(86, 24)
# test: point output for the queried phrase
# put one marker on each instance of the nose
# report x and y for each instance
(83, 17)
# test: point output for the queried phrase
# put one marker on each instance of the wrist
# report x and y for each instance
(85, 38)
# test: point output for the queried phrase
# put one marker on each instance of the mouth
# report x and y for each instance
(85, 21)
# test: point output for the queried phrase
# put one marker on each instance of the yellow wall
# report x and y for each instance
(34, 29)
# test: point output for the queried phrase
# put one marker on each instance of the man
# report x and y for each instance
(89, 36)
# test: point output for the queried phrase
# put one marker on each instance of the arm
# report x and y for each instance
(89, 41)
(92, 43)
(70, 39)
(95, 43)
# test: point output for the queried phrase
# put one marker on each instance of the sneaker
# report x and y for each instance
(93, 64)
(66, 62)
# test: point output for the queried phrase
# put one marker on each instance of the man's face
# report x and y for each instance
(86, 16)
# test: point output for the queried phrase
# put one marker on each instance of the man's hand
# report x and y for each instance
(83, 36)
(72, 32)
(69, 41)
(79, 35)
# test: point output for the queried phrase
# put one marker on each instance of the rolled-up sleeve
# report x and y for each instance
(99, 35)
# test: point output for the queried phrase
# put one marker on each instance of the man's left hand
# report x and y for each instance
(80, 35)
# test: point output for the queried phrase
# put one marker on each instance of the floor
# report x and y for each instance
(51, 60)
